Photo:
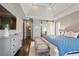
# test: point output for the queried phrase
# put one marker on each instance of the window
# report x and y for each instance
(47, 27)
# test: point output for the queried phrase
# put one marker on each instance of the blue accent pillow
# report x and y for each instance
(78, 36)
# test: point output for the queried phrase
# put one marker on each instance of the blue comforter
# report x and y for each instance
(64, 44)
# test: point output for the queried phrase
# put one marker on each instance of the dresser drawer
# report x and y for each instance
(13, 40)
(13, 49)
(15, 44)
(4, 47)
(13, 52)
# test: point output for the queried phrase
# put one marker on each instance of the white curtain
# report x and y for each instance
(48, 27)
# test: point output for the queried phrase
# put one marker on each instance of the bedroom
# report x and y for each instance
(65, 27)
(53, 28)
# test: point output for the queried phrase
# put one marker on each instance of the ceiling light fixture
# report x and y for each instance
(49, 8)
(40, 24)
(54, 7)
(34, 5)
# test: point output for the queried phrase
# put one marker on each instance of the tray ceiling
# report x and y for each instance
(42, 10)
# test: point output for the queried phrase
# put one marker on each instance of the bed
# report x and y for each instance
(62, 45)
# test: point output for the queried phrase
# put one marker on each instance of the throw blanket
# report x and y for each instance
(64, 44)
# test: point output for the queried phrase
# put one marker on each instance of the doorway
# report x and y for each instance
(27, 28)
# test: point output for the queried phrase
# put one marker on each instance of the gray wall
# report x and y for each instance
(36, 28)
(70, 22)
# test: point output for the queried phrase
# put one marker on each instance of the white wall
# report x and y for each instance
(19, 27)
(36, 28)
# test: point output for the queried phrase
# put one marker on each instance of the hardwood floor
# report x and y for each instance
(24, 50)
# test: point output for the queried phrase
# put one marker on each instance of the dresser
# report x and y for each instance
(10, 45)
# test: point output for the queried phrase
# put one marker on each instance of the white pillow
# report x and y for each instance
(76, 34)
(69, 34)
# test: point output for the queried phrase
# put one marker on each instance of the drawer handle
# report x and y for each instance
(13, 45)
(13, 51)
(13, 39)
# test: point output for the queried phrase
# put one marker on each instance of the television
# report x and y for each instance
(11, 21)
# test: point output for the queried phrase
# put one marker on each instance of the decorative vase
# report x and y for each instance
(6, 31)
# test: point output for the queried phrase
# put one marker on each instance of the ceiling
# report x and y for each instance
(4, 12)
(42, 11)
(44, 4)
(48, 11)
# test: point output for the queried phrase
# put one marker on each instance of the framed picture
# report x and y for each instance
(11, 21)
